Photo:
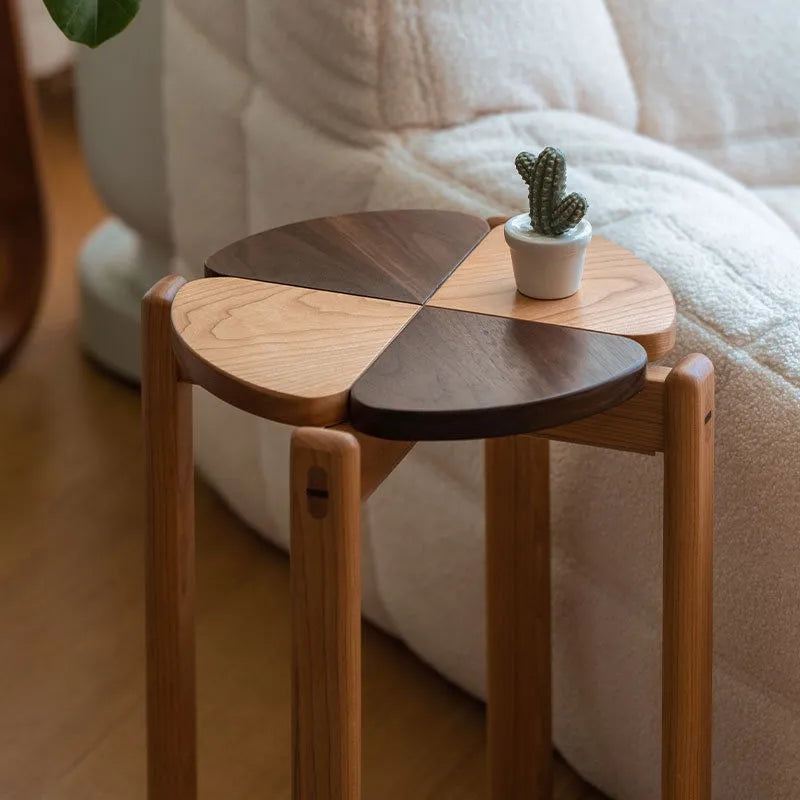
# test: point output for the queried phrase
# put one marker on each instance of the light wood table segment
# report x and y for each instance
(619, 294)
(282, 352)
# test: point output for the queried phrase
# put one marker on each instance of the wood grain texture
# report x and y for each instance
(169, 556)
(494, 221)
(637, 425)
(72, 592)
(519, 685)
(326, 615)
(393, 255)
(282, 352)
(22, 219)
(379, 458)
(455, 375)
(619, 294)
(688, 578)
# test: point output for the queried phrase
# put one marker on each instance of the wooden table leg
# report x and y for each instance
(169, 554)
(688, 533)
(519, 727)
(326, 615)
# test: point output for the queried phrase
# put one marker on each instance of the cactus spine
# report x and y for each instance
(546, 175)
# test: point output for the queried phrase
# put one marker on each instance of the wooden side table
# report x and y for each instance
(374, 331)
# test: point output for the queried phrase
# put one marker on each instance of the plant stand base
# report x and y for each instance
(113, 280)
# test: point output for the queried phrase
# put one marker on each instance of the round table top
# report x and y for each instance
(408, 325)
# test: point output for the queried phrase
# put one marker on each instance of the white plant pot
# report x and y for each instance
(547, 267)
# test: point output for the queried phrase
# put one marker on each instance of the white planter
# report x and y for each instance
(547, 267)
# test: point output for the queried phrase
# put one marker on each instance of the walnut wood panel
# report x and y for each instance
(22, 224)
(637, 425)
(326, 616)
(282, 352)
(456, 375)
(619, 294)
(688, 576)
(169, 556)
(393, 255)
(518, 703)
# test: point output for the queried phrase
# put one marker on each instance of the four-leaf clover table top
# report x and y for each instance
(408, 325)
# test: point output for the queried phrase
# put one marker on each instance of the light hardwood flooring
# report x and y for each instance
(71, 605)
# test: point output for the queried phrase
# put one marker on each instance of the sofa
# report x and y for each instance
(681, 123)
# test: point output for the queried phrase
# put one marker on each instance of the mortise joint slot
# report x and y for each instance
(317, 492)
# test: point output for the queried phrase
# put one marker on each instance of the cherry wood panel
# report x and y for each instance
(379, 457)
(637, 425)
(456, 375)
(169, 556)
(282, 352)
(687, 650)
(518, 652)
(22, 222)
(619, 294)
(326, 615)
(393, 255)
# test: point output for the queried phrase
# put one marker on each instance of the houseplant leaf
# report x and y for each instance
(91, 22)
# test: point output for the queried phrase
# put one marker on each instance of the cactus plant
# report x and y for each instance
(546, 175)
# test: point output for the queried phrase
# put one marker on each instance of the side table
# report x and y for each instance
(374, 331)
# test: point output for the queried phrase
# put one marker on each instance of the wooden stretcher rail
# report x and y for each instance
(636, 425)
(379, 457)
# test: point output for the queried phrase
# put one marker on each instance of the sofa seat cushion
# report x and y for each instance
(784, 201)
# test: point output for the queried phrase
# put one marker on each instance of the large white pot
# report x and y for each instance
(547, 267)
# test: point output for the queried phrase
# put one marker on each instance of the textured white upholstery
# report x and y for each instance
(278, 110)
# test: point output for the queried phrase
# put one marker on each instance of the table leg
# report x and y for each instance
(519, 728)
(169, 556)
(326, 615)
(688, 533)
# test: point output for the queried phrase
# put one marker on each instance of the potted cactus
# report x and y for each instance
(548, 245)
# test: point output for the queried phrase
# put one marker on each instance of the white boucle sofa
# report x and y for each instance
(681, 123)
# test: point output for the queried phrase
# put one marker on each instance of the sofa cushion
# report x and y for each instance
(719, 80)
(784, 201)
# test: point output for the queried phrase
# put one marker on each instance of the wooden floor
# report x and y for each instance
(71, 605)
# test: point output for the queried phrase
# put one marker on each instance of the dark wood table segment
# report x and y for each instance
(458, 375)
(391, 255)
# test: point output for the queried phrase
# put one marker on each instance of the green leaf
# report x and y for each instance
(91, 22)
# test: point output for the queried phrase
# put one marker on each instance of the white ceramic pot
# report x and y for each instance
(547, 267)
